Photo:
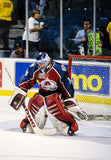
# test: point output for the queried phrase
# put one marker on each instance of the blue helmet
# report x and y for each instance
(43, 58)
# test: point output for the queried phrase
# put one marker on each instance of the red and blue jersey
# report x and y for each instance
(55, 79)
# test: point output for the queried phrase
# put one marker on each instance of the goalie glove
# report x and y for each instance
(17, 98)
(74, 109)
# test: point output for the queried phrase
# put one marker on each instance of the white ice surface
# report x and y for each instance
(91, 142)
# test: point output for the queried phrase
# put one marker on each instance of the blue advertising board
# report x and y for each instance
(89, 78)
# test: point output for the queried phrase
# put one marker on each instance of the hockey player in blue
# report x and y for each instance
(55, 98)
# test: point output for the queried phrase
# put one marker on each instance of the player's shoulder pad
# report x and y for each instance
(34, 66)
(59, 67)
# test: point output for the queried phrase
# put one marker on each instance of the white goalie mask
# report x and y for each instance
(43, 60)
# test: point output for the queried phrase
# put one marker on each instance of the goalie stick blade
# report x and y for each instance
(46, 132)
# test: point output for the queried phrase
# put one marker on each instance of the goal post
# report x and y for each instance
(82, 57)
(91, 79)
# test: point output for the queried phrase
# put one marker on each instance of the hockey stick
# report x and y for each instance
(35, 128)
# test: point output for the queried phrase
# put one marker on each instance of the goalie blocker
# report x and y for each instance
(17, 98)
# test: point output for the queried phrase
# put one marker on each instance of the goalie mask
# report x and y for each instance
(43, 60)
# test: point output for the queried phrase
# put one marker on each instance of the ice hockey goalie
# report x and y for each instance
(55, 99)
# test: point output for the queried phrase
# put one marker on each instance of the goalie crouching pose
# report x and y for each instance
(55, 98)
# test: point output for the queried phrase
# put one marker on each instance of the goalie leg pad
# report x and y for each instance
(35, 103)
(56, 108)
(60, 126)
(36, 106)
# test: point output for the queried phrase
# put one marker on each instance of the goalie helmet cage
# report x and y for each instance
(94, 110)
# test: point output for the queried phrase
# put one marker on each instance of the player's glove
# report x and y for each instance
(17, 98)
(74, 109)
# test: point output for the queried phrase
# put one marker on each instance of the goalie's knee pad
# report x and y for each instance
(35, 103)
(56, 109)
